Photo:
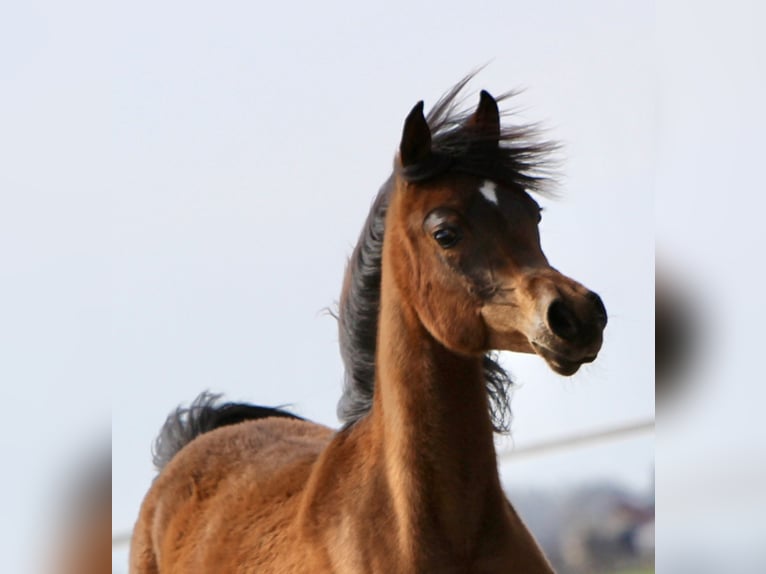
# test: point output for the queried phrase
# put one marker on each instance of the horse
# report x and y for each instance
(448, 269)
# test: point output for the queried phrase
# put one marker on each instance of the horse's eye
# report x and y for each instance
(447, 237)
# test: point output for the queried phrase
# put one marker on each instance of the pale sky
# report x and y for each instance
(183, 182)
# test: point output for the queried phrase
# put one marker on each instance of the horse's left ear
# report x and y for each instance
(416, 138)
(486, 119)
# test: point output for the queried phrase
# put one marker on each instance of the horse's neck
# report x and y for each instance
(413, 486)
(431, 414)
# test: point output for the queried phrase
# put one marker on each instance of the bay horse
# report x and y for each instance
(448, 268)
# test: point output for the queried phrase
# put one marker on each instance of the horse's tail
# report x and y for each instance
(203, 415)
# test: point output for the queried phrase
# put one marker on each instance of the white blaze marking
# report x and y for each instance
(488, 191)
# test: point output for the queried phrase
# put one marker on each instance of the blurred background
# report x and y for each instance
(180, 186)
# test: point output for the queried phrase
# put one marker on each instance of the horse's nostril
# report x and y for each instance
(599, 308)
(562, 320)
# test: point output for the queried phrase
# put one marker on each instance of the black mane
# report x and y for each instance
(521, 160)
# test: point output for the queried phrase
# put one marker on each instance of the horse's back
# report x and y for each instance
(226, 501)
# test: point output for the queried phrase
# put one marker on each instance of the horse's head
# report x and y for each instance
(467, 250)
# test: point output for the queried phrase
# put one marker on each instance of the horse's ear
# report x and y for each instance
(416, 138)
(486, 119)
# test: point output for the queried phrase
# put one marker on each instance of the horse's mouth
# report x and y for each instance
(561, 364)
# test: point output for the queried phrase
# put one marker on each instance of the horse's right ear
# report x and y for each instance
(416, 138)
(486, 120)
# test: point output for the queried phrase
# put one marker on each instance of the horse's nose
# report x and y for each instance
(562, 321)
(599, 311)
(571, 321)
